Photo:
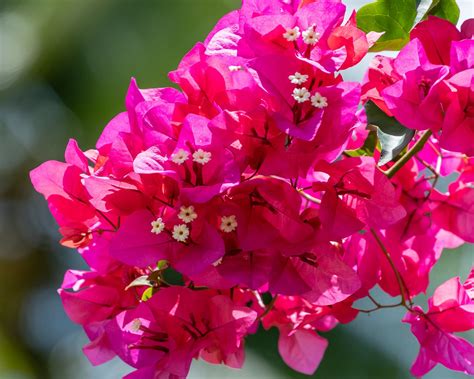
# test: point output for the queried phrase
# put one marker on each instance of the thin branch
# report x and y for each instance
(409, 154)
(309, 197)
(269, 307)
(401, 283)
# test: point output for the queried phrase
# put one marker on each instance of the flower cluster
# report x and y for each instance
(197, 204)
(429, 84)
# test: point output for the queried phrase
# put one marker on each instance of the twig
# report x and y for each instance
(409, 154)
(309, 197)
(269, 307)
(401, 283)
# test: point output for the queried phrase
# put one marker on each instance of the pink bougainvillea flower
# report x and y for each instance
(452, 305)
(414, 100)
(95, 297)
(299, 345)
(438, 346)
(380, 75)
(451, 309)
(60, 183)
(199, 203)
(164, 334)
(320, 277)
(454, 211)
(436, 36)
(361, 194)
(190, 247)
(458, 126)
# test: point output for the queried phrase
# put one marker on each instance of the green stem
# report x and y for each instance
(409, 154)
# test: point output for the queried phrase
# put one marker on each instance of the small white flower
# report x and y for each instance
(180, 156)
(135, 325)
(157, 226)
(228, 223)
(298, 78)
(180, 232)
(310, 36)
(201, 156)
(292, 34)
(218, 262)
(301, 95)
(235, 68)
(187, 214)
(319, 101)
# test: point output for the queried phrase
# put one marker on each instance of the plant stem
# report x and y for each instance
(309, 197)
(409, 154)
(401, 283)
(269, 307)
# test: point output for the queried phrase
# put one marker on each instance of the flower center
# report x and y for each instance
(292, 34)
(202, 157)
(319, 101)
(310, 36)
(180, 232)
(228, 223)
(180, 156)
(301, 95)
(157, 226)
(187, 214)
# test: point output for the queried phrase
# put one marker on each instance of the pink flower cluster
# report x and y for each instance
(198, 203)
(429, 85)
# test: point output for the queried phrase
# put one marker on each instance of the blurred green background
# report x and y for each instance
(64, 68)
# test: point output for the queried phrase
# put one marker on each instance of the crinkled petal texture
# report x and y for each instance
(451, 309)
(438, 346)
(166, 332)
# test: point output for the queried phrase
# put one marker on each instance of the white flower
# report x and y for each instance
(135, 325)
(319, 101)
(218, 262)
(298, 78)
(180, 156)
(228, 223)
(292, 34)
(157, 226)
(201, 156)
(301, 95)
(187, 214)
(180, 232)
(235, 68)
(310, 36)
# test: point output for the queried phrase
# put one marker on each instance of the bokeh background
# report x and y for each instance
(64, 68)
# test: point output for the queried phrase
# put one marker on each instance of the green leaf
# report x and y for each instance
(447, 9)
(148, 294)
(395, 18)
(393, 136)
(161, 265)
(367, 150)
(139, 282)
